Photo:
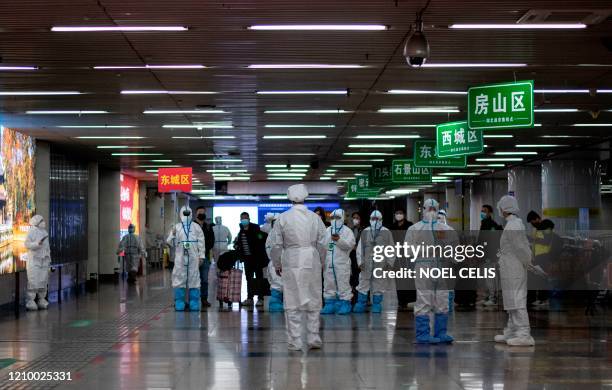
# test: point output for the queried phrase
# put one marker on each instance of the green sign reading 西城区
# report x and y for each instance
(455, 139)
(425, 156)
(404, 171)
(501, 106)
(380, 175)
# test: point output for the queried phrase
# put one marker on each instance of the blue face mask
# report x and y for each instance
(483, 215)
(244, 222)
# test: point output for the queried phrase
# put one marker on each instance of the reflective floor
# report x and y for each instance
(131, 338)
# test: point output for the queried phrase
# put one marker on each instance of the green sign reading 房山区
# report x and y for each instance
(404, 171)
(501, 106)
(425, 157)
(456, 139)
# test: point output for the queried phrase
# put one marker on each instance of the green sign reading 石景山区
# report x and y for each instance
(404, 171)
(425, 156)
(501, 106)
(455, 139)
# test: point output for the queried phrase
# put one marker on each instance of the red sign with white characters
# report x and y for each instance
(174, 179)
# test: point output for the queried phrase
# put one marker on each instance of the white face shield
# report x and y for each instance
(337, 217)
(376, 220)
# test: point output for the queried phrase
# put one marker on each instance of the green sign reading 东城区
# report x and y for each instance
(456, 139)
(353, 189)
(404, 171)
(380, 175)
(501, 106)
(425, 157)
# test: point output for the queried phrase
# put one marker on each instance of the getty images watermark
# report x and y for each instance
(434, 256)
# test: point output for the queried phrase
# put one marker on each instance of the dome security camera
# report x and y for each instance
(416, 50)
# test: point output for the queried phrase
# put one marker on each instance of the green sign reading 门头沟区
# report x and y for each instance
(501, 106)
(380, 175)
(425, 157)
(404, 171)
(456, 139)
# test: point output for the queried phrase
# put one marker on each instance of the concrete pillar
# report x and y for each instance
(412, 209)
(109, 197)
(485, 191)
(142, 207)
(93, 194)
(41, 174)
(155, 212)
(567, 187)
(525, 183)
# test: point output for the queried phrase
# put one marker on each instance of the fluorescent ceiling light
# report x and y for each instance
(474, 65)
(111, 67)
(368, 154)
(592, 124)
(65, 112)
(161, 161)
(418, 110)
(202, 191)
(280, 170)
(161, 91)
(289, 154)
(424, 92)
(517, 26)
(401, 126)
(96, 127)
(556, 110)
(116, 28)
(306, 66)
(362, 160)
(6, 67)
(109, 137)
(287, 174)
(387, 136)
(300, 126)
(351, 166)
(227, 170)
(289, 178)
(39, 93)
(123, 147)
(604, 91)
(497, 136)
(206, 154)
(136, 154)
(459, 174)
(518, 153)
(493, 159)
(384, 146)
(208, 137)
(325, 178)
(486, 165)
(185, 112)
(539, 146)
(305, 92)
(294, 136)
(306, 112)
(232, 160)
(151, 171)
(565, 136)
(157, 166)
(318, 27)
(200, 126)
(561, 91)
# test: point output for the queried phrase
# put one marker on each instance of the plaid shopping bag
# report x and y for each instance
(230, 285)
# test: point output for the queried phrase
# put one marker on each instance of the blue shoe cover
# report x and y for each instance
(360, 305)
(422, 331)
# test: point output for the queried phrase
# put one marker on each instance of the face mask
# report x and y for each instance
(201, 217)
(399, 217)
(131, 230)
(430, 215)
(483, 215)
(42, 225)
(337, 223)
(218, 220)
(244, 222)
(356, 222)
(374, 223)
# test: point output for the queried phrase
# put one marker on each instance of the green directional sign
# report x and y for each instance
(404, 171)
(381, 175)
(425, 157)
(455, 139)
(501, 106)
(354, 191)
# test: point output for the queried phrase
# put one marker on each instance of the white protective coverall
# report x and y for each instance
(133, 248)
(514, 259)
(371, 237)
(337, 271)
(37, 265)
(274, 279)
(222, 238)
(187, 261)
(267, 226)
(296, 250)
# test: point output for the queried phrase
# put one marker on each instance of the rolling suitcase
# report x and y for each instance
(230, 285)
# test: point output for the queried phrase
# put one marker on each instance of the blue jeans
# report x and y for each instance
(204, 279)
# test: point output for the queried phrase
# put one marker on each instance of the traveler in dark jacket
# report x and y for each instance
(209, 242)
(250, 245)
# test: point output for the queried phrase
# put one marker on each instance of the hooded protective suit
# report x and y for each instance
(275, 280)
(374, 235)
(188, 238)
(133, 248)
(514, 259)
(337, 273)
(267, 226)
(37, 265)
(296, 250)
(432, 293)
(223, 238)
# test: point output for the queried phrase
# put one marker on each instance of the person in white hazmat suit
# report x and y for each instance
(188, 238)
(267, 226)
(339, 241)
(374, 235)
(223, 238)
(37, 265)
(298, 258)
(432, 293)
(514, 260)
(276, 284)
